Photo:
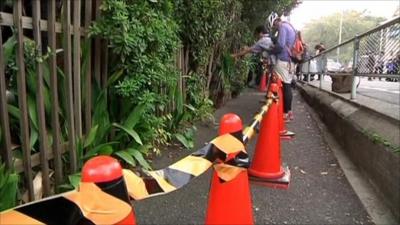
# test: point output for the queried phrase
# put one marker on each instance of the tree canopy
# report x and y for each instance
(326, 29)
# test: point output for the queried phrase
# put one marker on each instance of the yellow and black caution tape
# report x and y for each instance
(227, 151)
(88, 205)
(249, 131)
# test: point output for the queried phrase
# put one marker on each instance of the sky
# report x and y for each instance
(310, 9)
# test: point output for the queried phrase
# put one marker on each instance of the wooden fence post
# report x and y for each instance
(21, 83)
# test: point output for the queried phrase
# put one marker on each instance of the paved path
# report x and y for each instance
(319, 192)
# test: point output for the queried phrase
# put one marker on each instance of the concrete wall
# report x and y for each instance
(350, 123)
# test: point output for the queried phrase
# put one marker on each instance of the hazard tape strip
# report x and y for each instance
(226, 153)
(88, 205)
(249, 131)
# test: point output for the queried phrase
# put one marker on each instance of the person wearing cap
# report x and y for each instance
(284, 66)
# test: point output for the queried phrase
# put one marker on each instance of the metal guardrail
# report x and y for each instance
(375, 53)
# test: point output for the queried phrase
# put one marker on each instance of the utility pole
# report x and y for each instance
(340, 36)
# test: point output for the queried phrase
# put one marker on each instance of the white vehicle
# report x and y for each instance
(333, 66)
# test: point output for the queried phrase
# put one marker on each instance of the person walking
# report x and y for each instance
(284, 67)
(321, 60)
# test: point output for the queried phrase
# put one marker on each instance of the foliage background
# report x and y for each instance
(144, 38)
(142, 106)
(326, 30)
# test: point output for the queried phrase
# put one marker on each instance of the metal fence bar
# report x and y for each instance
(88, 86)
(58, 168)
(77, 67)
(40, 102)
(355, 67)
(4, 120)
(372, 54)
(385, 25)
(22, 102)
(69, 85)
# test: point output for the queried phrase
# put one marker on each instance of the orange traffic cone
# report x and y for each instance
(230, 202)
(266, 167)
(263, 83)
(106, 173)
(284, 133)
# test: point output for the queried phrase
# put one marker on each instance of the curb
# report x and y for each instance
(350, 124)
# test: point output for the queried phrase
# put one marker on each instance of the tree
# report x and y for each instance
(255, 12)
(326, 30)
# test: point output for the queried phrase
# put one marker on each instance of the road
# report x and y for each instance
(381, 90)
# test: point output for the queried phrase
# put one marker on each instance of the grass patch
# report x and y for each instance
(377, 139)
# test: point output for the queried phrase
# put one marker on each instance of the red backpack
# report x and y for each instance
(297, 50)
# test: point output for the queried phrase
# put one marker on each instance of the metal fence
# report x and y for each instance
(373, 54)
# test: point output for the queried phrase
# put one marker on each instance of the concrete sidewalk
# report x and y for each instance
(319, 192)
(369, 94)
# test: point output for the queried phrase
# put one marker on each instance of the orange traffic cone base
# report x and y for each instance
(275, 183)
(267, 175)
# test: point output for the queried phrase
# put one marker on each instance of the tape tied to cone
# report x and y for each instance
(90, 205)
(226, 153)
(87, 205)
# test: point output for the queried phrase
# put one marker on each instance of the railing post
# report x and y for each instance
(355, 67)
(321, 76)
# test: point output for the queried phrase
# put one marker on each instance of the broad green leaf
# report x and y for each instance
(106, 150)
(9, 49)
(8, 191)
(86, 50)
(178, 100)
(64, 188)
(47, 100)
(91, 136)
(182, 139)
(32, 111)
(74, 180)
(139, 157)
(134, 116)
(190, 107)
(115, 77)
(126, 157)
(131, 132)
(33, 139)
(46, 73)
(14, 111)
(3, 175)
(144, 148)
(31, 82)
(97, 149)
